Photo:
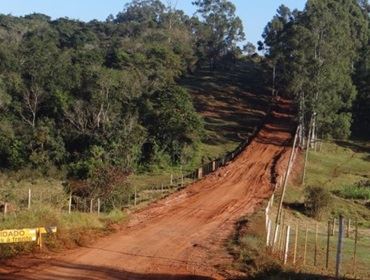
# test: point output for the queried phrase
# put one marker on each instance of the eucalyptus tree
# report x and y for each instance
(221, 29)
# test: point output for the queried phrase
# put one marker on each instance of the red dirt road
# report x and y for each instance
(183, 236)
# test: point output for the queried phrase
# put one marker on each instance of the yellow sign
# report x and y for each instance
(48, 229)
(17, 235)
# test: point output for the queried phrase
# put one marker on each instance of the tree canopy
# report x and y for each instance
(81, 96)
(315, 53)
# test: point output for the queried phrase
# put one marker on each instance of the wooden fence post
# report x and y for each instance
(348, 227)
(70, 203)
(339, 247)
(98, 206)
(29, 198)
(355, 249)
(287, 245)
(305, 246)
(281, 242)
(315, 255)
(276, 234)
(39, 238)
(268, 233)
(135, 197)
(333, 232)
(200, 172)
(295, 243)
(281, 238)
(213, 165)
(328, 245)
(91, 205)
(171, 180)
(5, 208)
(286, 177)
(272, 200)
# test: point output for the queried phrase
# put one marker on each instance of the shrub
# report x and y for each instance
(360, 190)
(316, 200)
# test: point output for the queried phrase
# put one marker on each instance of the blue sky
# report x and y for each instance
(254, 13)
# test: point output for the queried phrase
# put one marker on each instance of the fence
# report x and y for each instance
(28, 197)
(339, 248)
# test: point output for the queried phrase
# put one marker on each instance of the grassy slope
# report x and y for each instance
(334, 167)
(232, 102)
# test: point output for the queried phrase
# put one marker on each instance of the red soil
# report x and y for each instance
(182, 236)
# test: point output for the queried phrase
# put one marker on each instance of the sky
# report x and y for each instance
(254, 13)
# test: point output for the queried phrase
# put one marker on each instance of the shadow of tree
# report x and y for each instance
(63, 270)
(232, 101)
(357, 147)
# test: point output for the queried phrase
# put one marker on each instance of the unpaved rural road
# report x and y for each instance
(182, 236)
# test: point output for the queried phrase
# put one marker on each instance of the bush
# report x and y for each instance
(360, 190)
(316, 200)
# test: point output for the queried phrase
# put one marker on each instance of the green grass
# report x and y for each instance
(48, 208)
(336, 166)
(339, 168)
(355, 192)
(230, 113)
(72, 229)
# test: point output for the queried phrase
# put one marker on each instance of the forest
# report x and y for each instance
(83, 98)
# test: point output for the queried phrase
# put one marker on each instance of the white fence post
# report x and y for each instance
(287, 245)
(5, 208)
(29, 198)
(268, 233)
(70, 204)
(91, 205)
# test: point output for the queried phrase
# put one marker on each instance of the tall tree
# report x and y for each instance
(318, 49)
(361, 124)
(221, 29)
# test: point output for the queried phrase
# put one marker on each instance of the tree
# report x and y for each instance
(173, 122)
(72, 93)
(221, 29)
(361, 123)
(314, 52)
(142, 11)
(37, 51)
(249, 49)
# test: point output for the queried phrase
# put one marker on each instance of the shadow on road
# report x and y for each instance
(62, 270)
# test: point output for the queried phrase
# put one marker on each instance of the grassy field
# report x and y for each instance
(49, 206)
(342, 168)
(338, 167)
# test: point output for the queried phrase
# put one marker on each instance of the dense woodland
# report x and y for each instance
(321, 57)
(83, 97)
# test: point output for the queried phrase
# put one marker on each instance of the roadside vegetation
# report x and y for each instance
(320, 58)
(336, 183)
(126, 103)
(103, 109)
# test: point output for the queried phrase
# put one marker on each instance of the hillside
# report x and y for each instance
(160, 144)
(184, 234)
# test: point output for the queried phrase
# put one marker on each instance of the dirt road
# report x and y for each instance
(184, 235)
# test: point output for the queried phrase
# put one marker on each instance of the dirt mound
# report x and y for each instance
(184, 235)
